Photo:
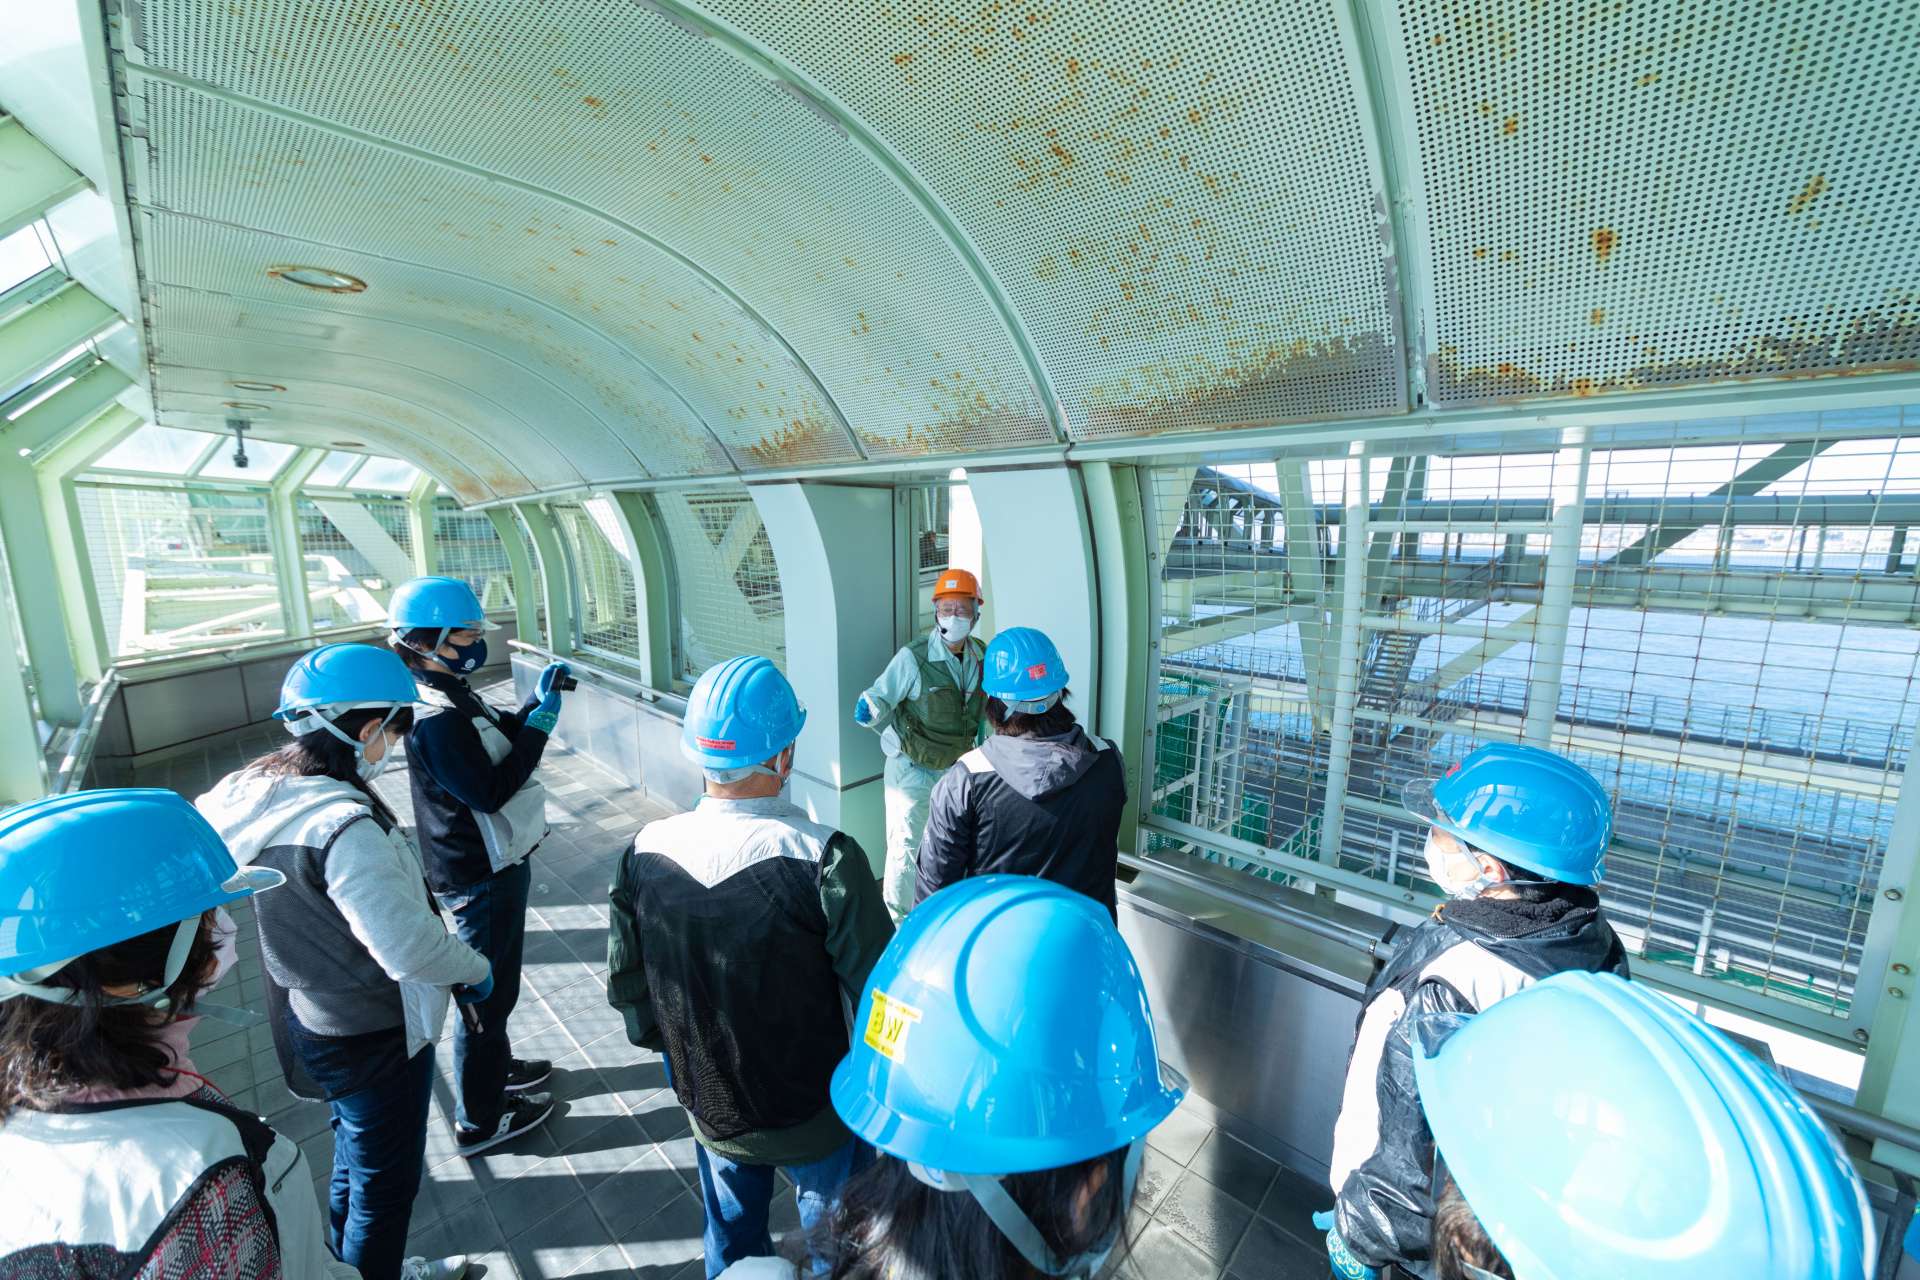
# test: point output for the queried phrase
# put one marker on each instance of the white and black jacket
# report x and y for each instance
(157, 1189)
(1466, 956)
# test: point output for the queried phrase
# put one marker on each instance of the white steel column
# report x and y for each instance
(283, 534)
(1346, 680)
(1556, 592)
(1040, 568)
(835, 548)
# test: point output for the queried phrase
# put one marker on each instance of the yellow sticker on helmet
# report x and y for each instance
(888, 1024)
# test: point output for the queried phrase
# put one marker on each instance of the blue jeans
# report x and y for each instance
(379, 1142)
(739, 1197)
(490, 917)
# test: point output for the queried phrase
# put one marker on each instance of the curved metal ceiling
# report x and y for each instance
(608, 243)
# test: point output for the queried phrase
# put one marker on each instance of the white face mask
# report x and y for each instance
(954, 630)
(371, 769)
(1439, 861)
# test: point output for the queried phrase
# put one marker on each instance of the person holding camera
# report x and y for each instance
(479, 814)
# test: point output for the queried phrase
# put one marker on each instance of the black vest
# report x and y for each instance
(726, 903)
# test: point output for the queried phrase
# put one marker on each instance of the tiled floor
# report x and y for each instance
(608, 1186)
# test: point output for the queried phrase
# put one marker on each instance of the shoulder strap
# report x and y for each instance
(977, 762)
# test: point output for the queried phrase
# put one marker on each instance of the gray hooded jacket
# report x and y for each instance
(1047, 807)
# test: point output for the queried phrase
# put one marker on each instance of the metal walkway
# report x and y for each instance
(608, 1187)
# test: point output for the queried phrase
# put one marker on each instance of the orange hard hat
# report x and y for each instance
(956, 582)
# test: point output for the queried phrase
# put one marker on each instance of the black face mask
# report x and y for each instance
(467, 657)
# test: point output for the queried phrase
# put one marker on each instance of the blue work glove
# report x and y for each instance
(548, 679)
(476, 993)
(547, 714)
(1345, 1266)
(862, 713)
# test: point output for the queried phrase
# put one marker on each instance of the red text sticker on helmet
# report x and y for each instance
(716, 744)
(887, 1026)
(1038, 671)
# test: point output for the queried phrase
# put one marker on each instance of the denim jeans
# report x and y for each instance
(379, 1141)
(739, 1197)
(490, 917)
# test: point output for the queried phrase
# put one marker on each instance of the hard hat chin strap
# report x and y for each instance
(29, 982)
(991, 1195)
(432, 653)
(315, 719)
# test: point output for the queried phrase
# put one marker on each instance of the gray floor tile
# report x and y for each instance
(531, 1199)
(1181, 1134)
(1207, 1216)
(664, 1245)
(562, 1244)
(469, 1229)
(1292, 1201)
(1159, 1253)
(638, 1191)
(1234, 1167)
(1267, 1253)
(1158, 1173)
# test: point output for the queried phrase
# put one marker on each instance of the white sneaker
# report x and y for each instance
(434, 1268)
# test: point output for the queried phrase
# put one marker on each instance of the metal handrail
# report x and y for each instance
(73, 767)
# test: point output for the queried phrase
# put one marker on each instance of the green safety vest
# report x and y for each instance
(943, 723)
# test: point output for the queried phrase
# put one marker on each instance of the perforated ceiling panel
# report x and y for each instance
(1182, 200)
(607, 420)
(1644, 195)
(661, 134)
(505, 260)
(183, 385)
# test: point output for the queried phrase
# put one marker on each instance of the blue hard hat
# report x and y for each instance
(340, 677)
(1004, 1030)
(1524, 805)
(85, 870)
(1022, 665)
(740, 713)
(444, 603)
(1598, 1130)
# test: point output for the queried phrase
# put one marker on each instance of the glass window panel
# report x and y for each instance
(22, 256)
(468, 547)
(153, 447)
(264, 460)
(333, 469)
(387, 474)
(729, 585)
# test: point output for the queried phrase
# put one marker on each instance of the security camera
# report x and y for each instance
(239, 428)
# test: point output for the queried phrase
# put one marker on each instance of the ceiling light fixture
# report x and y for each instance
(247, 406)
(240, 385)
(318, 278)
(348, 444)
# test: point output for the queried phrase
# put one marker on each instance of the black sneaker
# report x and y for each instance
(523, 1115)
(524, 1073)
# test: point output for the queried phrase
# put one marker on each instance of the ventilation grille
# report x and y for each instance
(1657, 195)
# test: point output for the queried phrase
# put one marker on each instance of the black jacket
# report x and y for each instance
(1047, 807)
(453, 776)
(1468, 955)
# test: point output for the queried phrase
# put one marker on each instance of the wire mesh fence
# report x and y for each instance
(730, 602)
(179, 568)
(354, 551)
(1725, 636)
(606, 619)
(468, 547)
